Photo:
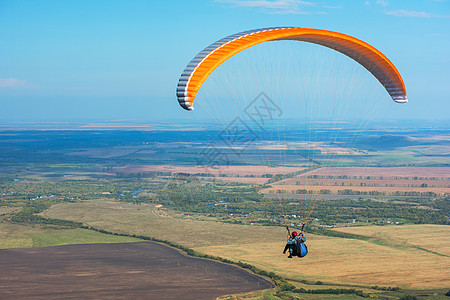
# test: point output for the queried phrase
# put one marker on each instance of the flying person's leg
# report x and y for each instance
(291, 250)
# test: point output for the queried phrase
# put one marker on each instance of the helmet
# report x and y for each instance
(294, 233)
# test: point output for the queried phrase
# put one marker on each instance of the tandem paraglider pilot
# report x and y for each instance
(296, 245)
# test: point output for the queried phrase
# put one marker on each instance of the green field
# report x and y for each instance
(19, 236)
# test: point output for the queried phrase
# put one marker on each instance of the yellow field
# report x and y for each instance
(345, 261)
(332, 260)
(435, 238)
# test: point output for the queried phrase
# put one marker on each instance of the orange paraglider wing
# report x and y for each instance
(202, 65)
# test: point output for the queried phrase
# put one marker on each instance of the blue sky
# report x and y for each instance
(104, 60)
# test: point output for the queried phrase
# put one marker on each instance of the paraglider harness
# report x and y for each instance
(299, 248)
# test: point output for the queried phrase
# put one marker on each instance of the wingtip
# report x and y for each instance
(402, 99)
(185, 104)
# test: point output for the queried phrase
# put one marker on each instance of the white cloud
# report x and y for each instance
(413, 14)
(439, 35)
(383, 3)
(331, 6)
(272, 6)
(15, 83)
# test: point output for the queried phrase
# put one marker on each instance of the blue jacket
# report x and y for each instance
(293, 241)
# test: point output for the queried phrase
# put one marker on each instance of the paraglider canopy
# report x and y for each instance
(202, 65)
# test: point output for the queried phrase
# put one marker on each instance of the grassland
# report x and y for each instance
(21, 236)
(433, 238)
(344, 261)
(75, 236)
(145, 219)
(331, 260)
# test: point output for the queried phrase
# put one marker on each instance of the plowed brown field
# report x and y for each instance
(142, 270)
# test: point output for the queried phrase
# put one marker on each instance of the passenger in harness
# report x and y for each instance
(291, 245)
(296, 245)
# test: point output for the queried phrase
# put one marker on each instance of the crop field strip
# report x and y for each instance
(390, 191)
(433, 183)
(383, 180)
(216, 171)
(388, 172)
